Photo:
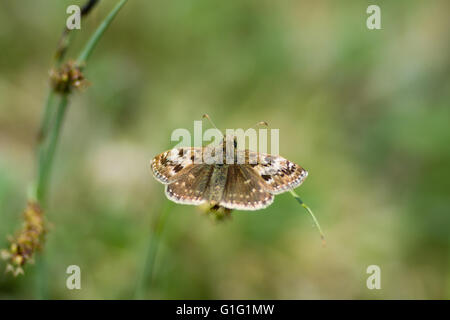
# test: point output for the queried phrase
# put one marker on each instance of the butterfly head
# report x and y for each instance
(230, 141)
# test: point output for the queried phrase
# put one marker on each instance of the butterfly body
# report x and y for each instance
(217, 184)
(225, 177)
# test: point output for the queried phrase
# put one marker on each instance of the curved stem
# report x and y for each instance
(316, 222)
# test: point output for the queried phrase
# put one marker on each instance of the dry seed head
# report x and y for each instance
(27, 241)
(67, 78)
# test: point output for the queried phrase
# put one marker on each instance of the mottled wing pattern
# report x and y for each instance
(190, 185)
(169, 165)
(248, 186)
(278, 173)
(244, 189)
(185, 179)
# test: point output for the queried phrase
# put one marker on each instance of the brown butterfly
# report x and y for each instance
(243, 185)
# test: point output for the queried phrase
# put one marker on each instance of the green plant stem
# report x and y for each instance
(46, 160)
(45, 155)
(64, 44)
(51, 128)
(316, 222)
(41, 277)
(67, 35)
(46, 117)
(146, 274)
(42, 136)
(86, 52)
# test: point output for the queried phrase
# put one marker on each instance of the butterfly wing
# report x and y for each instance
(244, 189)
(186, 178)
(248, 186)
(190, 185)
(278, 173)
(170, 165)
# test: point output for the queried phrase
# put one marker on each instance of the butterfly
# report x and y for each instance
(250, 184)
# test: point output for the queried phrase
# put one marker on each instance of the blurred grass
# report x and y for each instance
(365, 112)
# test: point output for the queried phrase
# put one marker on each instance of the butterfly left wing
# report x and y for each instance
(279, 174)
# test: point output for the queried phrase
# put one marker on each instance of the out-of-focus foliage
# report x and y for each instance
(366, 112)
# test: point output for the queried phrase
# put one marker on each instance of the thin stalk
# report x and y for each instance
(63, 46)
(86, 52)
(67, 35)
(41, 278)
(42, 136)
(46, 117)
(316, 222)
(46, 155)
(46, 160)
(52, 123)
(147, 272)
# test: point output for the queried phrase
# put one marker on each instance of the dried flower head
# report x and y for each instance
(216, 212)
(27, 241)
(67, 78)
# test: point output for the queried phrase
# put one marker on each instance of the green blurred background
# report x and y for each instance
(365, 112)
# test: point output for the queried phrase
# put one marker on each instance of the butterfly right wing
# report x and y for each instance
(185, 177)
(190, 185)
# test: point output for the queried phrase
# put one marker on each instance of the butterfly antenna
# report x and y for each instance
(316, 222)
(206, 116)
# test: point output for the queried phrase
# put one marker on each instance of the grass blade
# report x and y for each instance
(316, 222)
